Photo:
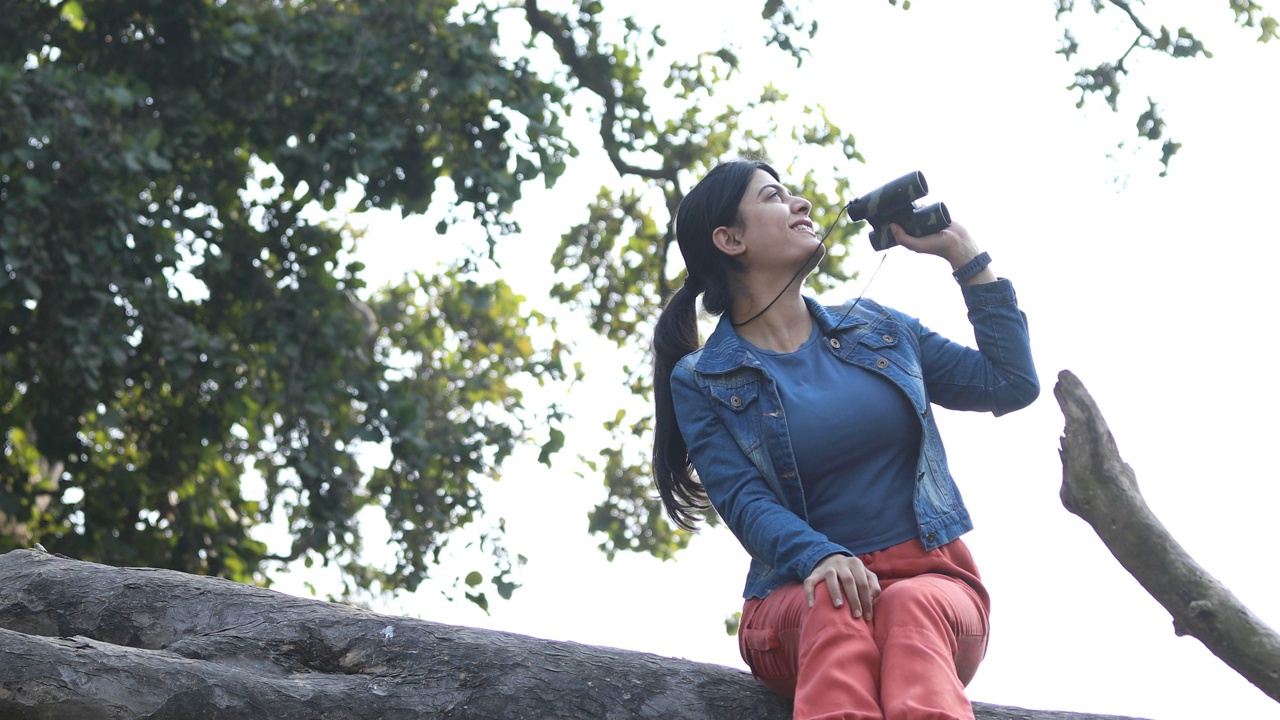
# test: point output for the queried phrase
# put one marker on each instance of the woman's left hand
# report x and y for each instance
(952, 244)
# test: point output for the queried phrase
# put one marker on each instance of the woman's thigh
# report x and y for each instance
(938, 607)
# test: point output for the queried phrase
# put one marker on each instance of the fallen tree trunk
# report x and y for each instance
(82, 641)
(1101, 488)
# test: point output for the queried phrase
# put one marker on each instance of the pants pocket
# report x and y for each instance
(771, 657)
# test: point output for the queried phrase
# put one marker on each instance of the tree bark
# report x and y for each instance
(1101, 488)
(82, 641)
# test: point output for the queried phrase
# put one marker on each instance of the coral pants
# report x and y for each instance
(912, 661)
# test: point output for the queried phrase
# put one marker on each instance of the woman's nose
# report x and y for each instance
(802, 206)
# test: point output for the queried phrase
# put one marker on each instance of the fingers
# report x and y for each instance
(952, 244)
(833, 589)
(868, 591)
(861, 587)
(832, 581)
(924, 243)
(848, 579)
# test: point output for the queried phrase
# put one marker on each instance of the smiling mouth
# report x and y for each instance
(806, 224)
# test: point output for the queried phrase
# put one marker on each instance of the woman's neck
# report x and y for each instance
(784, 327)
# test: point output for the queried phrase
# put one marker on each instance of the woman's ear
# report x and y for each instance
(727, 241)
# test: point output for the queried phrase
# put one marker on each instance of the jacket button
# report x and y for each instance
(924, 412)
(887, 338)
(932, 537)
(835, 343)
(735, 401)
(882, 363)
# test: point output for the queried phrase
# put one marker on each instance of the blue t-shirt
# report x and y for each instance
(856, 440)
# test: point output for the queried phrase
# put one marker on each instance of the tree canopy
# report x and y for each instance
(173, 317)
(180, 310)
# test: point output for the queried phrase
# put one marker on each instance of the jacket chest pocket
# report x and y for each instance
(740, 409)
(890, 344)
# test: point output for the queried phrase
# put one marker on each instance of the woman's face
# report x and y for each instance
(774, 228)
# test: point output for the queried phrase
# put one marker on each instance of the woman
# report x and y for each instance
(811, 434)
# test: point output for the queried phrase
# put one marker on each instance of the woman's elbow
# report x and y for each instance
(1016, 394)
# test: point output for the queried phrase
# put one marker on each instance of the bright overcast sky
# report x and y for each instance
(1157, 292)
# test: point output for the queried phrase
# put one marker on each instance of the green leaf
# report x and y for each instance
(732, 623)
(73, 14)
(505, 588)
(480, 600)
(552, 446)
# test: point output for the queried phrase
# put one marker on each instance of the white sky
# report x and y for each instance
(1158, 293)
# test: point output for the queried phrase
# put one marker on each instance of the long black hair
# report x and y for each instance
(712, 203)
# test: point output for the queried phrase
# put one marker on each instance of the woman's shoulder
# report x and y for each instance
(690, 361)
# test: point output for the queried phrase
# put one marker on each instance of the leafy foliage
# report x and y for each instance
(172, 317)
(1104, 79)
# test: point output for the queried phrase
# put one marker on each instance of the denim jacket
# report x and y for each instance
(731, 418)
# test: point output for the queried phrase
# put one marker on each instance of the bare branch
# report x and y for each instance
(1101, 489)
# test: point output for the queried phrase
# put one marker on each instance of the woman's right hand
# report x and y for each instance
(845, 577)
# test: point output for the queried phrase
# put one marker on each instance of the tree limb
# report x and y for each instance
(1101, 489)
(599, 85)
(83, 641)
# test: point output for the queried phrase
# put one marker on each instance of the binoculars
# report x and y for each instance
(893, 202)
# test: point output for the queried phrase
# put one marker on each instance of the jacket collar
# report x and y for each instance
(725, 351)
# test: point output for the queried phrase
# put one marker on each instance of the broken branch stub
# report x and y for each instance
(1100, 488)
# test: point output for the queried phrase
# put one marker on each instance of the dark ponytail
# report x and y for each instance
(712, 203)
(675, 336)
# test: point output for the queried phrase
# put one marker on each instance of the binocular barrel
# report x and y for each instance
(893, 203)
(892, 195)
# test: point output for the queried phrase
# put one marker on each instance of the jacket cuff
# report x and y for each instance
(999, 292)
(811, 559)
